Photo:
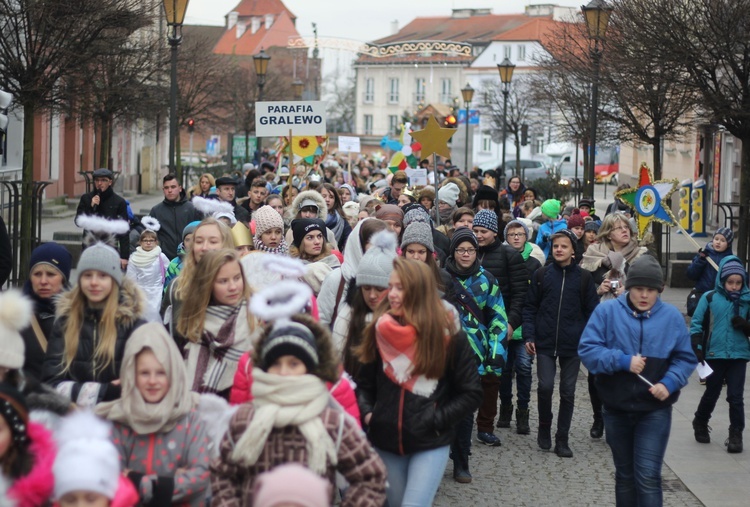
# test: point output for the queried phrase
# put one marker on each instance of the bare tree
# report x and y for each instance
(41, 45)
(341, 103)
(707, 40)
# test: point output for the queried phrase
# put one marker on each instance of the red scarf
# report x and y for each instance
(397, 345)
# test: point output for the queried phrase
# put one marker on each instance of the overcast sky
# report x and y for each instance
(363, 20)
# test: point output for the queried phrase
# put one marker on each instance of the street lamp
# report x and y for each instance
(467, 93)
(175, 14)
(299, 87)
(505, 69)
(596, 14)
(260, 61)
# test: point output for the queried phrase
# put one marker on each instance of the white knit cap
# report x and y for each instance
(15, 315)
(86, 458)
(377, 263)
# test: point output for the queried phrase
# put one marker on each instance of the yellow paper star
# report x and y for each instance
(434, 139)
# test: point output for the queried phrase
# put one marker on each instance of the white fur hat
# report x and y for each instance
(86, 458)
(15, 314)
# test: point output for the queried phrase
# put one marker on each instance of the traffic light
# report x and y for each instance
(524, 134)
(451, 122)
(191, 125)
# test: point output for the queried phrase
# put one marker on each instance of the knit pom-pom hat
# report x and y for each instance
(576, 219)
(377, 263)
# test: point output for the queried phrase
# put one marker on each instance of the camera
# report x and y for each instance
(614, 285)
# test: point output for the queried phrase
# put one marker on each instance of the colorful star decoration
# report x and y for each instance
(649, 200)
(434, 139)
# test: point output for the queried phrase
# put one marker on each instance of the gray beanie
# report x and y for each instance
(416, 215)
(449, 194)
(101, 257)
(516, 223)
(645, 271)
(377, 263)
(418, 232)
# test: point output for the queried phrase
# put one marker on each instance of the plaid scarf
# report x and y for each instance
(397, 345)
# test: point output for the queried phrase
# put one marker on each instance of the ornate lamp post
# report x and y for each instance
(467, 93)
(260, 61)
(299, 87)
(596, 14)
(505, 69)
(175, 14)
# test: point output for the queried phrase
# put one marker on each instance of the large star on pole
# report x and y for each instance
(434, 139)
(649, 200)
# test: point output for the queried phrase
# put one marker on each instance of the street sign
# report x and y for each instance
(213, 146)
(238, 146)
(303, 118)
(473, 116)
(349, 144)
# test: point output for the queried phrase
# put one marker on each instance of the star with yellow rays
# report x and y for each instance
(649, 200)
(434, 139)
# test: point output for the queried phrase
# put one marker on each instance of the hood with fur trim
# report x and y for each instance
(35, 488)
(129, 311)
(315, 196)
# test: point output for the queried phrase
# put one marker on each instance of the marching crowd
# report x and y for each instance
(305, 338)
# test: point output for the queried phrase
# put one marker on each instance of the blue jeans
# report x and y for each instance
(519, 362)
(733, 371)
(638, 441)
(413, 479)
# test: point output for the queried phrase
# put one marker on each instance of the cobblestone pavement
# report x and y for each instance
(520, 474)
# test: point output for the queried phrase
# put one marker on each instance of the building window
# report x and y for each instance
(486, 142)
(446, 97)
(368, 124)
(419, 96)
(506, 52)
(522, 52)
(369, 97)
(392, 124)
(393, 90)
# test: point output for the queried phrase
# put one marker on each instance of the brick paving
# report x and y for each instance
(520, 474)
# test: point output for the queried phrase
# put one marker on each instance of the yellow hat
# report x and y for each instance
(241, 235)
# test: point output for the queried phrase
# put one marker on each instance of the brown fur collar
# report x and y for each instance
(130, 309)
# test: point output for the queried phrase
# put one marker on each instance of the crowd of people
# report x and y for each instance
(324, 337)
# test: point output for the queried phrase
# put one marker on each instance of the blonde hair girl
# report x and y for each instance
(215, 321)
(94, 320)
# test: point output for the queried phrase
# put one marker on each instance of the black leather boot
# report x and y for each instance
(544, 436)
(701, 430)
(506, 414)
(597, 429)
(522, 421)
(561, 447)
(734, 442)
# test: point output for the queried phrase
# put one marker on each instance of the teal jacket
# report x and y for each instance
(724, 341)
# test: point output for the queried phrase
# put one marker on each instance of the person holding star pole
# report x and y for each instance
(434, 139)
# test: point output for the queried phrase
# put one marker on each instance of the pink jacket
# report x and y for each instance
(35, 488)
(242, 392)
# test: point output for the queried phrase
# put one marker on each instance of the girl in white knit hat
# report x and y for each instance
(94, 320)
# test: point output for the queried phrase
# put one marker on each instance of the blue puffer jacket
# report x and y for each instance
(725, 342)
(616, 332)
(545, 232)
(702, 272)
(556, 312)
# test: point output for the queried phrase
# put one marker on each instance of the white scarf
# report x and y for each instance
(142, 258)
(282, 401)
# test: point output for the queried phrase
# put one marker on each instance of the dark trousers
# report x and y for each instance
(596, 403)
(461, 446)
(488, 409)
(638, 441)
(518, 363)
(546, 368)
(733, 372)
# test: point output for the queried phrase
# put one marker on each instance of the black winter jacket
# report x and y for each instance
(507, 266)
(111, 206)
(556, 312)
(44, 312)
(82, 370)
(173, 216)
(403, 422)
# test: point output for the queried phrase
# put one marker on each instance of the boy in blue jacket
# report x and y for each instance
(560, 300)
(724, 311)
(639, 350)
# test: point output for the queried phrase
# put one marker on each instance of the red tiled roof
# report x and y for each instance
(251, 43)
(479, 28)
(534, 30)
(261, 8)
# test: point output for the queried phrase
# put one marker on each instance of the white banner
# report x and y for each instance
(349, 144)
(303, 118)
